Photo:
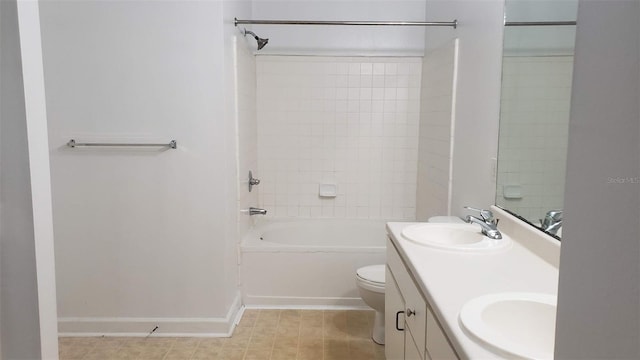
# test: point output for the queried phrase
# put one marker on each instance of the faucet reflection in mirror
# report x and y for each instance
(552, 221)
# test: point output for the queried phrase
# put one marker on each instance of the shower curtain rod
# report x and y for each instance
(453, 23)
(539, 23)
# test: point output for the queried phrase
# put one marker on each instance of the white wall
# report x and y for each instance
(477, 105)
(599, 295)
(433, 196)
(27, 292)
(143, 237)
(348, 121)
(371, 40)
(19, 295)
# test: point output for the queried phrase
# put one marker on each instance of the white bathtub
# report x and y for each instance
(308, 263)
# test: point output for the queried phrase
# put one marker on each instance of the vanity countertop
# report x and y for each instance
(449, 279)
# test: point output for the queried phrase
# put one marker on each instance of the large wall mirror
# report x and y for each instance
(537, 71)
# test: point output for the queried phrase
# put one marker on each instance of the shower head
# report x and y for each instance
(261, 42)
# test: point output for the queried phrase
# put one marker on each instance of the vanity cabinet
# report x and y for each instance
(411, 330)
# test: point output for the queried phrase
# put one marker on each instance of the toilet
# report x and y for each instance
(370, 281)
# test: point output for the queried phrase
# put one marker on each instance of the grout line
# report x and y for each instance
(169, 350)
(275, 335)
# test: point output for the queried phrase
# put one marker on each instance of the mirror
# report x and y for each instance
(537, 69)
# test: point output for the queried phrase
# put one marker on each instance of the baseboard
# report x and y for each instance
(312, 303)
(142, 327)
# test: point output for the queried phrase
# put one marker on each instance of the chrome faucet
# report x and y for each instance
(257, 211)
(552, 221)
(488, 224)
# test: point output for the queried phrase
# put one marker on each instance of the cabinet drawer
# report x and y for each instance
(438, 346)
(415, 305)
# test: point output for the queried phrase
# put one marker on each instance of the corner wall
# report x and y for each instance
(19, 294)
(27, 292)
(599, 292)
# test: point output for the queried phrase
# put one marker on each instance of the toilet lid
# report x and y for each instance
(373, 273)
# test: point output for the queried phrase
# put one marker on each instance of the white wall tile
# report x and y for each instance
(359, 137)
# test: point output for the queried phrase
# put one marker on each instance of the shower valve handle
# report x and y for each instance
(252, 181)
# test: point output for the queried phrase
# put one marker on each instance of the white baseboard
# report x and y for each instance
(312, 303)
(142, 327)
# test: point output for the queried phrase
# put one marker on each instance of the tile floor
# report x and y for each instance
(261, 335)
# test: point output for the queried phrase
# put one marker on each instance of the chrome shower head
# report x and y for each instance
(261, 42)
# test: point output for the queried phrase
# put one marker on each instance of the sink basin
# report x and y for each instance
(521, 324)
(460, 237)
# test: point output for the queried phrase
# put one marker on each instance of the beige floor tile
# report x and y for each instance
(237, 343)
(336, 349)
(310, 349)
(284, 354)
(262, 340)
(231, 354)
(186, 341)
(212, 343)
(311, 332)
(288, 313)
(74, 352)
(206, 353)
(182, 349)
(268, 318)
(258, 353)
(361, 350)
(287, 341)
(359, 331)
(86, 341)
(249, 318)
(261, 335)
(103, 353)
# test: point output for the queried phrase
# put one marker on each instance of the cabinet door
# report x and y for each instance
(437, 344)
(394, 315)
(410, 348)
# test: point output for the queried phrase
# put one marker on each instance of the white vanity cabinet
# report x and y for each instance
(411, 330)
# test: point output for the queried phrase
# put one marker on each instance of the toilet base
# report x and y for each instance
(378, 328)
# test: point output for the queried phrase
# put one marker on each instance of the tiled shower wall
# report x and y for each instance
(536, 96)
(349, 121)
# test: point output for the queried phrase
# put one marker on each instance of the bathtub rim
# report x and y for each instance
(250, 242)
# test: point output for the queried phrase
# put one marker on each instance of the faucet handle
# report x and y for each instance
(486, 215)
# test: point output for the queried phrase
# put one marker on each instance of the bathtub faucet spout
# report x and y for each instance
(257, 211)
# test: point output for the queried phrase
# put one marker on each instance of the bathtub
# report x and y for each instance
(308, 263)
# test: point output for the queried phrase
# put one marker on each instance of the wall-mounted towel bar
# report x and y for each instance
(72, 143)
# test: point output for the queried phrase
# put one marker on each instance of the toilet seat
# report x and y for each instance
(371, 277)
